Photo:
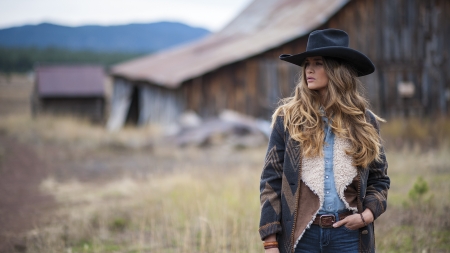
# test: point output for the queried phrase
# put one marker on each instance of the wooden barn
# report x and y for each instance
(72, 90)
(238, 67)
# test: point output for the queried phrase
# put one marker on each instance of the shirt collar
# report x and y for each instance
(323, 115)
(322, 111)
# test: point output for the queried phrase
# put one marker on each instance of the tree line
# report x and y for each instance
(24, 59)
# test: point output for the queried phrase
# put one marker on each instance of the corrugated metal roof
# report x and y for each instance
(263, 25)
(70, 81)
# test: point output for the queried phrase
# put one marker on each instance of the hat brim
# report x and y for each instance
(361, 63)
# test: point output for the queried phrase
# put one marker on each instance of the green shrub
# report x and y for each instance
(119, 224)
(419, 189)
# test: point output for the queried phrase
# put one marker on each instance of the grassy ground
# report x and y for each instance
(132, 192)
(417, 217)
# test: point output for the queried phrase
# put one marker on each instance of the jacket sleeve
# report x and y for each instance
(270, 184)
(378, 181)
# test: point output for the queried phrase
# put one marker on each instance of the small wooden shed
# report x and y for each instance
(238, 67)
(74, 90)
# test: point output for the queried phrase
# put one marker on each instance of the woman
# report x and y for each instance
(324, 181)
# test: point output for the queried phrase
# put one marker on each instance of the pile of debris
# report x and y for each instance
(229, 127)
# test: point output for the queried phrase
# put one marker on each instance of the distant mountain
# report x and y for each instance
(132, 38)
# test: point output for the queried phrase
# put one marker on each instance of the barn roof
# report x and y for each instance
(263, 25)
(70, 81)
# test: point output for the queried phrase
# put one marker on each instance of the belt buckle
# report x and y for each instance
(329, 219)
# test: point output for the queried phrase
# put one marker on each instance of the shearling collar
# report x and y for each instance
(344, 172)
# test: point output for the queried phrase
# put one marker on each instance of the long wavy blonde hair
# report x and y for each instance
(343, 104)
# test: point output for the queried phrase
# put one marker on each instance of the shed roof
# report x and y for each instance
(70, 81)
(263, 25)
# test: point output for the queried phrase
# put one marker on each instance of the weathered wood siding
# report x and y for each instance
(89, 108)
(253, 87)
(407, 41)
(404, 38)
(158, 104)
(244, 86)
(140, 103)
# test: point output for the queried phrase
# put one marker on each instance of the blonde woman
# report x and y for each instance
(325, 179)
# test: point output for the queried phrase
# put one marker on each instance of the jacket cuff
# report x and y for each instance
(269, 229)
(374, 206)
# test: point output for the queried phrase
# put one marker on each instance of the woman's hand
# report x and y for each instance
(354, 221)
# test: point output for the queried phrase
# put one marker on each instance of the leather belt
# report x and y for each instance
(327, 220)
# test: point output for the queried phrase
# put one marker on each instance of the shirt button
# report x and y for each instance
(328, 192)
(326, 161)
(329, 208)
(326, 176)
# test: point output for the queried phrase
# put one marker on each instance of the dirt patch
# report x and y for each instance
(22, 205)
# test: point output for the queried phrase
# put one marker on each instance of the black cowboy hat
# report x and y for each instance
(332, 43)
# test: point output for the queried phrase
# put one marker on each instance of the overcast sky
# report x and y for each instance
(209, 14)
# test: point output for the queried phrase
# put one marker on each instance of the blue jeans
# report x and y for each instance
(328, 240)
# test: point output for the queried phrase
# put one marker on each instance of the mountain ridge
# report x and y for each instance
(129, 38)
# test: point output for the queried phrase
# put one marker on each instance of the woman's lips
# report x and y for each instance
(310, 79)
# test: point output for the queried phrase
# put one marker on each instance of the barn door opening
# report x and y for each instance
(120, 103)
(133, 110)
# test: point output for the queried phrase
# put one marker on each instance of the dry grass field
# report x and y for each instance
(133, 191)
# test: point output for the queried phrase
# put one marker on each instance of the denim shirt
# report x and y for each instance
(332, 203)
